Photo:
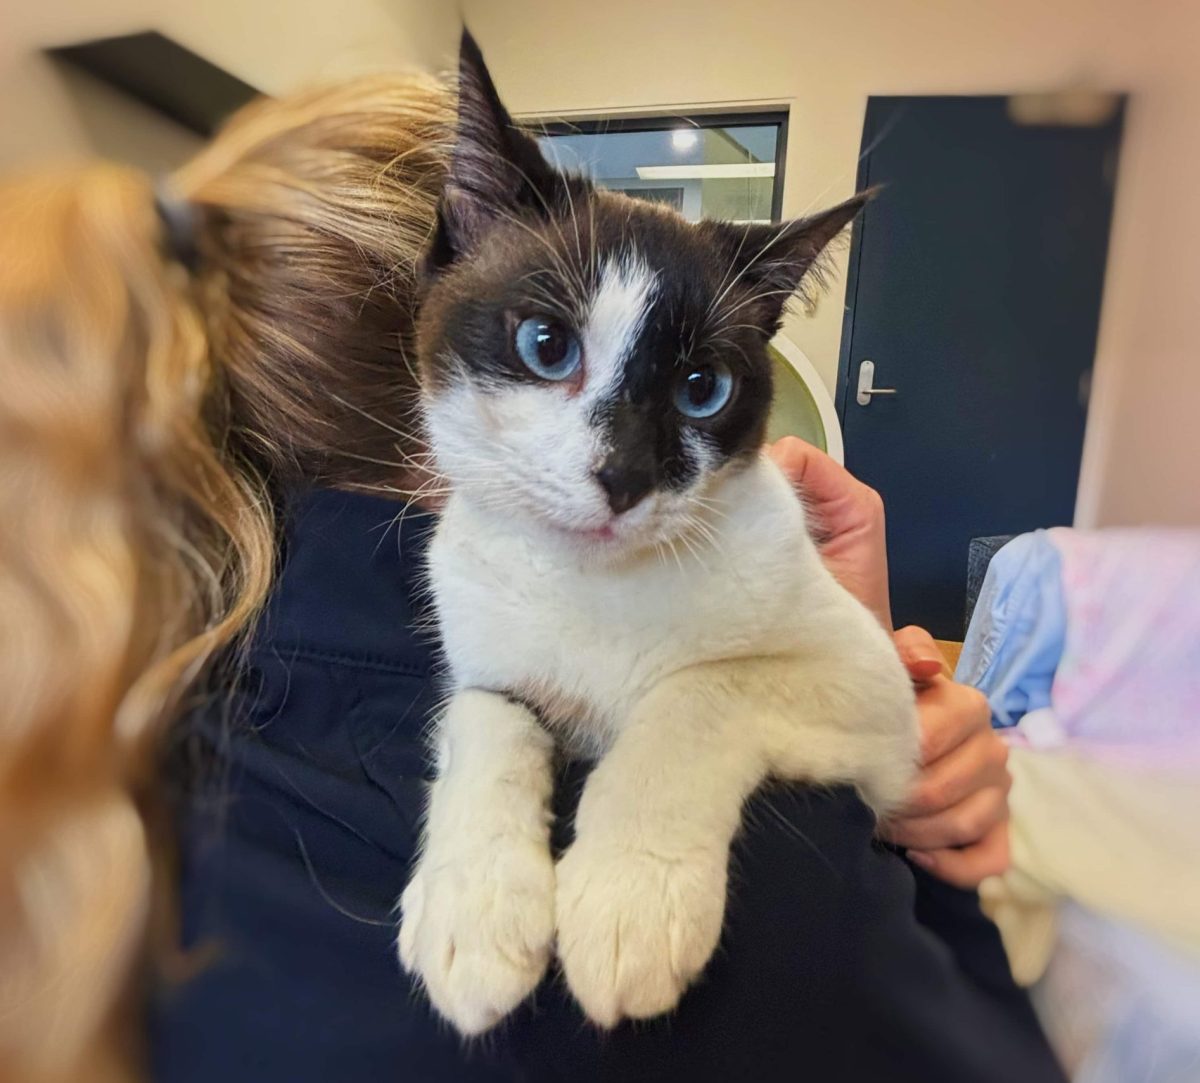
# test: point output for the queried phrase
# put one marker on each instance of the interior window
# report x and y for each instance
(728, 167)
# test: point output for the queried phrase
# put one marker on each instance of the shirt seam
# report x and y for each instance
(378, 663)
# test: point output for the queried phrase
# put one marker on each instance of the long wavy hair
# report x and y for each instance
(150, 414)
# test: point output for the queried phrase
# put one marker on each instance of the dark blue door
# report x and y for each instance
(974, 290)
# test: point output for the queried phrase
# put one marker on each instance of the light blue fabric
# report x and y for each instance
(1018, 629)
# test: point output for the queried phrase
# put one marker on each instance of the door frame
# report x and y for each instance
(858, 229)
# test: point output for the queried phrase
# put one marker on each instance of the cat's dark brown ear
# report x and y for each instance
(771, 261)
(496, 169)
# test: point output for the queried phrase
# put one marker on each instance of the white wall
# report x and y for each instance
(48, 112)
(1142, 456)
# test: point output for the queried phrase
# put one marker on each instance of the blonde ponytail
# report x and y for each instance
(131, 550)
(147, 419)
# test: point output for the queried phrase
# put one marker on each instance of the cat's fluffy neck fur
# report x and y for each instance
(583, 638)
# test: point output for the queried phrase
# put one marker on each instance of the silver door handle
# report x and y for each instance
(866, 377)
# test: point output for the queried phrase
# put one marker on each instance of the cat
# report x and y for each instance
(619, 573)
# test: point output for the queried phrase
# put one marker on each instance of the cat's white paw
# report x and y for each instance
(477, 929)
(635, 927)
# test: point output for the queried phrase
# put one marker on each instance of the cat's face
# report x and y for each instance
(592, 363)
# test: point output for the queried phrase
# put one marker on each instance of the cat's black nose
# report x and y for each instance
(625, 486)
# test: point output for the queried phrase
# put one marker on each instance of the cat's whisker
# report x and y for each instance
(757, 295)
(435, 484)
(555, 256)
(704, 533)
(359, 457)
(575, 224)
(747, 301)
(412, 371)
(369, 416)
(730, 344)
(754, 261)
(591, 267)
(547, 298)
(572, 279)
(720, 290)
(726, 327)
(712, 504)
(675, 553)
(710, 538)
(690, 545)
(576, 281)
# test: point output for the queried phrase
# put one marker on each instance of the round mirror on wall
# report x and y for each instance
(803, 406)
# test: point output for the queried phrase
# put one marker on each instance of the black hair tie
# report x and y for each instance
(180, 222)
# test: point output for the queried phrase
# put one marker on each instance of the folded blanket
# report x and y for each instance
(1087, 645)
(1116, 839)
(1091, 640)
(1128, 683)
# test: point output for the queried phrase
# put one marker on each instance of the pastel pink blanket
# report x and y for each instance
(1128, 683)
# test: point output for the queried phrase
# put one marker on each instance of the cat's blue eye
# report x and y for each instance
(704, 391)
(547, 348)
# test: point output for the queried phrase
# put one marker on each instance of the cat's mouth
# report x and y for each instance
(597, 532)
(645, 525)
(604, 533)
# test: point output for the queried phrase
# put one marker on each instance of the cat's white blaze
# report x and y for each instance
(614, 321)
(531, 440)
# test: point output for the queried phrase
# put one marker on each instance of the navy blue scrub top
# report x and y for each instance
(299, 815)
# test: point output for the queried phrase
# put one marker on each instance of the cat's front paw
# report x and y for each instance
(636, 927)
(477, 929)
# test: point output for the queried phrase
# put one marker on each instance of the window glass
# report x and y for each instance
(704, 167)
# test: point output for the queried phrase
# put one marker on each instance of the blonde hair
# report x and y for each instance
(148, 418)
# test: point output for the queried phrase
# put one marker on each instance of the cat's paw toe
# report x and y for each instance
(477, 932)
(635, 929)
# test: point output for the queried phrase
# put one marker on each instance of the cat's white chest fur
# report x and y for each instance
(691, 676)
(583, 639)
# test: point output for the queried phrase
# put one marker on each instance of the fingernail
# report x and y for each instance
(925, 861)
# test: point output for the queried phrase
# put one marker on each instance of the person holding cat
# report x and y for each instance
(956, 822)
(207, 414)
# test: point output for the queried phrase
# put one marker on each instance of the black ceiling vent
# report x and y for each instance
(164, 75)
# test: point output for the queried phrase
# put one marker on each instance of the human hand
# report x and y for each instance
(846, 518)
(955, 823)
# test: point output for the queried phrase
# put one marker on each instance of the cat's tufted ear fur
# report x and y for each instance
(771, 261)
(496, 169)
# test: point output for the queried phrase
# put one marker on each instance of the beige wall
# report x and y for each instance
(822, 59)
(48, 112)
(1142, 457)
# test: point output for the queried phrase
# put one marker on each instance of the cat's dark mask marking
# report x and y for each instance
(516, 239)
